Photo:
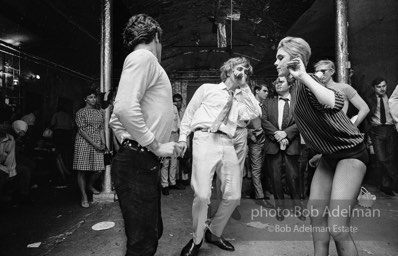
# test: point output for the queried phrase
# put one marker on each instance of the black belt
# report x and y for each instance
(208, 130)
(132, 144)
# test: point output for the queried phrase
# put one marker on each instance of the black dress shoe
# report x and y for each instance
(299, 212)
(219, 241)
(264, 203)
(165, 191)
(279, 217)
(191, 249)
(300, 215)
(177, 186)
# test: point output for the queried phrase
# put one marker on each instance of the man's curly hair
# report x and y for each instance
(229, 65)
(140, 29)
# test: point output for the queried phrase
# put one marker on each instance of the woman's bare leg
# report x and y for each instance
(346, 185)
(81, 182)
(93, 178)
(321, 187)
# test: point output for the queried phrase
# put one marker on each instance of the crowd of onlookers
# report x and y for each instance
(293, 174)
(26, 150)
(270, 173)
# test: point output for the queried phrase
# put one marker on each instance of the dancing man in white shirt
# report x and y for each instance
(213, 114)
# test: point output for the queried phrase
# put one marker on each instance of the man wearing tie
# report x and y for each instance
(383, 134)
(213, 114)
(256, 149)
(282, 143)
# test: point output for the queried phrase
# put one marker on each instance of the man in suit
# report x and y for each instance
(282, 144)
(381, 129)
(256, 149)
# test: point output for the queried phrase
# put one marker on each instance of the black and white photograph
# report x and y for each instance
(198, 127)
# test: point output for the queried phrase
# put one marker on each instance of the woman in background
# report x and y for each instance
(89, 146)
(327, 130)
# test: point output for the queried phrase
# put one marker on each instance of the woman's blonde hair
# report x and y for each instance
(296, 47)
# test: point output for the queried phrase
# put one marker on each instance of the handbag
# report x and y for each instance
(365, 198)
(108, 156)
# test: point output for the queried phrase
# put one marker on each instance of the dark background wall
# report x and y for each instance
(373, 42)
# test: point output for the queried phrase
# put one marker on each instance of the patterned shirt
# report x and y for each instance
(326, 130)
(347, 92)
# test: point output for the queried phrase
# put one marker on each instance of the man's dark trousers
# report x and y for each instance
(384, 139)
(136, 177)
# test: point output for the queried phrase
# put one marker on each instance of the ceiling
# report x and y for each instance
(66, 33)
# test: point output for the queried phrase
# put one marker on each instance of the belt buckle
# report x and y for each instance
(129, 143)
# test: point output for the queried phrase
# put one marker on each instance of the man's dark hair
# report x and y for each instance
(377, 81)
(177, 96)
(140, 29)
(258, 87)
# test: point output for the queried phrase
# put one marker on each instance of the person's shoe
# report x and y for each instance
(191, 249)
(279, 216)
(177, 186)
(387, 191)
(300, 215)
(219, 241)
(264, 203)
(279, 213)
(165, 191)
(84, 204)
(236, 214)
(94, 191)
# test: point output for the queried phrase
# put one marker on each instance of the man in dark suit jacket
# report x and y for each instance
(282, 144)
(380, 127)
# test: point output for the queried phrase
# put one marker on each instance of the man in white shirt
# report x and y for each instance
(213, 114)
(184, 164)
(170, 165)
(383, 135)
(141, 121)
(393, 104)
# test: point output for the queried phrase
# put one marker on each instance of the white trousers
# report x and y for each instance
(212, 153)
(240, 144)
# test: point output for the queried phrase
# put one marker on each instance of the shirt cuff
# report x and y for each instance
(146, 139)
(183, 137)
